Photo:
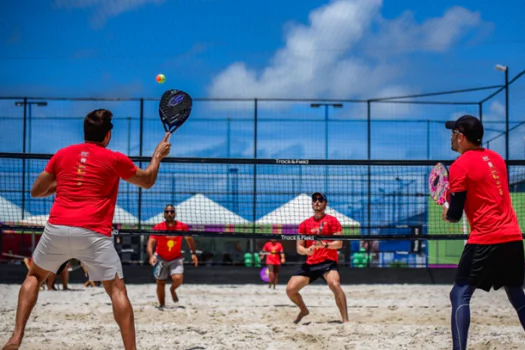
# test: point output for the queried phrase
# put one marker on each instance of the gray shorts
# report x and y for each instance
(164, 269)
(96, 251)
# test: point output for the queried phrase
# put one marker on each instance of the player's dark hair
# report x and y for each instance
(97, 124)
(169, 205)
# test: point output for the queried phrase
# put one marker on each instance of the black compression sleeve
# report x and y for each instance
(456, 206)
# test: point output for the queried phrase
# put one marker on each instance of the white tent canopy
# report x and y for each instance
(10, 212)
(299, 209)
(200, 210)
(35, 220)
(121, 216)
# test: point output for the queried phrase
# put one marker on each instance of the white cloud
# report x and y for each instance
(105, 9)
(403, 34)
(323, 58)
(497, 108)
(307, 64)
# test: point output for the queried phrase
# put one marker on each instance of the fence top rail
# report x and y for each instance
(280, 99)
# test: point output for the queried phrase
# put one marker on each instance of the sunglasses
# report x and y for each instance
(456, 132)
(169, 211)
(318, 199)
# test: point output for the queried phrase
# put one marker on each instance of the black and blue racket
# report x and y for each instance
(174, 109)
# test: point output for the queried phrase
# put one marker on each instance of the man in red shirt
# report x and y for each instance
(167, 259)
(493, 255)
(322, 258)
(274, 258)
(85, 178)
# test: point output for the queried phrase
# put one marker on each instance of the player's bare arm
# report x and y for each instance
(193, 249)
(330, 245)
(45, 185)
(147, 177)
(150, 249)
(301, 248)
(261, 253)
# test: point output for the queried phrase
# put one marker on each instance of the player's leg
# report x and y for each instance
(161, 292)
(271, 275)
(517, 299)
(102, 262)
(460, 296)
(50, 281)
(333, 280)
(64, 275)
(511, 270)
(160, 272)
(48, 255)
(473, 271)
(122, 310)
(176, 282)
(276, 270)
(295, 284)
(176, 269)
(27, 298)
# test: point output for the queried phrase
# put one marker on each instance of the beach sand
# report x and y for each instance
(235, 317)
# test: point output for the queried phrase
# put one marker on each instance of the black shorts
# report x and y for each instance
(492, 265)
(274, 268)
(316, 271)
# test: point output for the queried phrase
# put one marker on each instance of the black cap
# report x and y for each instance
(469, 126)
(319, 194)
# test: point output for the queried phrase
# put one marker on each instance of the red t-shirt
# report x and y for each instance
(330, 225)
(488, 206)
(87, 178)
(169, 247)
(276, 249)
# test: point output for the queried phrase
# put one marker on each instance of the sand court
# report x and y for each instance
(255, 317)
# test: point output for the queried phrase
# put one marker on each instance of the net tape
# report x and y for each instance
(265, 236)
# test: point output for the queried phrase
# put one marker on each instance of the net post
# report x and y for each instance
(254, 206)
(369, 175)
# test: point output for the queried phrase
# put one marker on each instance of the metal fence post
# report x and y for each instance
(254, 209)
(369, 157)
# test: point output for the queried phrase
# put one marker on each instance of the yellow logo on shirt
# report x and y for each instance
(171, 244)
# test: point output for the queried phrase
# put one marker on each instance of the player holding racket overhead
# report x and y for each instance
(85, 178)
(166, 256)
(321, 261)
(493, 255)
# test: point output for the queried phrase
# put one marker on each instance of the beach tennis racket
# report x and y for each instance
(438, 184)
(174, 109)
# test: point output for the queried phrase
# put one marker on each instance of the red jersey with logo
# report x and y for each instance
(87, 177)
(488, 206)
(327, 225)
(276, 249)
(169, 247)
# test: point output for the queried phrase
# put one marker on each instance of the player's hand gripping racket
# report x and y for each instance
(438, 184)
(319, 244)
(174, 109)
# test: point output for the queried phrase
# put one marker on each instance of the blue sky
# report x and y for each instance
(266, 49)
(72, 48)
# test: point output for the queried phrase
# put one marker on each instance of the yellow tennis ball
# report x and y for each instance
(161, 78)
